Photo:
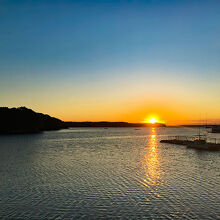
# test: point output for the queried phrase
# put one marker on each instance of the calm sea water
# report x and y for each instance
(99, 173)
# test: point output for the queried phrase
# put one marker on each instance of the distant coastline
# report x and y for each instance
(112, 124)
(23, 120)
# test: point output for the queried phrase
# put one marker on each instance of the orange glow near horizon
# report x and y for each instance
(131, 112)
(167, 100)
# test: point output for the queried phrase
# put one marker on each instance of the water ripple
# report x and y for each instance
(106, 173)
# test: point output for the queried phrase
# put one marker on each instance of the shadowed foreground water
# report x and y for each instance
(107, 173)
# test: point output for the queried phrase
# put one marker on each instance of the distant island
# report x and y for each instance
(23, 120)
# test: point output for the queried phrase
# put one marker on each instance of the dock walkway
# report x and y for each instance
(200, 142)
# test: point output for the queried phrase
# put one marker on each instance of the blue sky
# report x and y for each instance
(78, 47)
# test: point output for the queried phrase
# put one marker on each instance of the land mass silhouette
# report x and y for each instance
(23, 120)
(112, 124)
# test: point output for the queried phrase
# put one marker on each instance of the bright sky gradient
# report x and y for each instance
(112, 60)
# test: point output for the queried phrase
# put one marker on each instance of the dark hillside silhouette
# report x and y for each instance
(24, 120)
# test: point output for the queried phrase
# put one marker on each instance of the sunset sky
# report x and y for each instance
(112, 60)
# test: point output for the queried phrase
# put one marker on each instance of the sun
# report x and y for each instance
(152, 120)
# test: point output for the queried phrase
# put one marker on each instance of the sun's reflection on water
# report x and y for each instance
(151, 162)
